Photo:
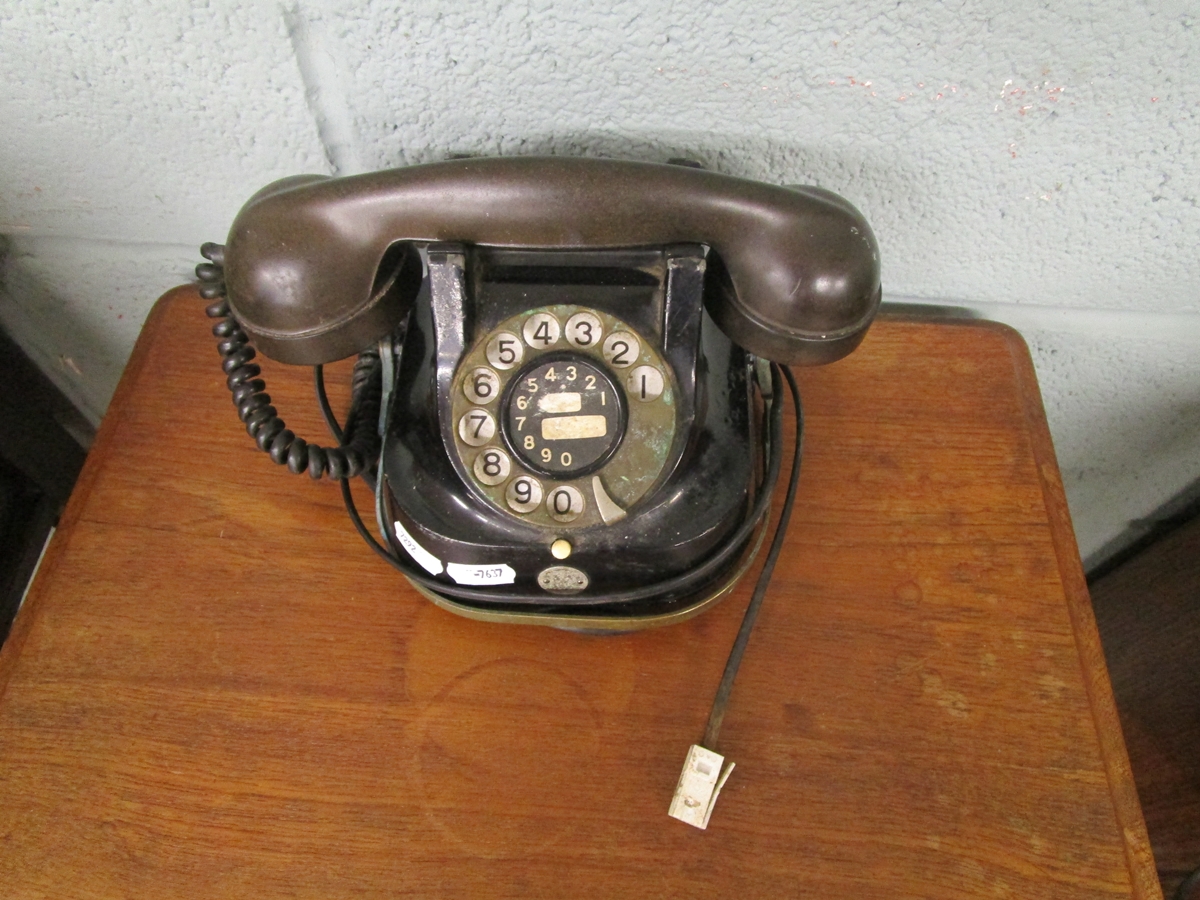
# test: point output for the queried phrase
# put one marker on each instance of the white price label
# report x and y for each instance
(481, 575)
(424, 558)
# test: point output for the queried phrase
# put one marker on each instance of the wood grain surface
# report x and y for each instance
(1149, 620)
(215, 690)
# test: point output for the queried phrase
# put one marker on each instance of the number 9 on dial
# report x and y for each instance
(524, 495)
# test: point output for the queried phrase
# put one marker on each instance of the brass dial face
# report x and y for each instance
(563, 415)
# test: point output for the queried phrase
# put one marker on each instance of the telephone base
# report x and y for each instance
(600, 623)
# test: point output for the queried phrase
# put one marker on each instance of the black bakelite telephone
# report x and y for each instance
(562, 396)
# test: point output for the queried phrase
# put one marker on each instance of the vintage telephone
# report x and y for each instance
(562, 397)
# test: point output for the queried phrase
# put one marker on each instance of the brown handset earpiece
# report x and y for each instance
(795, 276)
(570, 375)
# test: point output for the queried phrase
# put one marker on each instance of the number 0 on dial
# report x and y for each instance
(564, 503)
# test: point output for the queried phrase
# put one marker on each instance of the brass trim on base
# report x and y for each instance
(607, 624)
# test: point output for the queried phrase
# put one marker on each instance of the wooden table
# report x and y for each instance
(214, 688)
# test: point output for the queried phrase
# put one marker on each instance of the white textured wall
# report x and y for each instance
(1036, 166)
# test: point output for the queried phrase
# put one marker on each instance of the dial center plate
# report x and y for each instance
(563, 416)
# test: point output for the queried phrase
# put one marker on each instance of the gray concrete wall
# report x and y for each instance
(1032, 165)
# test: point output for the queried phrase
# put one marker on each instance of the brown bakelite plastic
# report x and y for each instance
(795, 277)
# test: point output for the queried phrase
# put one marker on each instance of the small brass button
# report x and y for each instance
(560, 549)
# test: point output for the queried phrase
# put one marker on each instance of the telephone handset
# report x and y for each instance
(562, 396)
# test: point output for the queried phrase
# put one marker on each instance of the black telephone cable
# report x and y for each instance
(721, 700)
(359, 445)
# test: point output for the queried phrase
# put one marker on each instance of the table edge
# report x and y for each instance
(1138, 854)
(10, 652)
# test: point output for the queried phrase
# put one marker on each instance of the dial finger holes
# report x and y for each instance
(541, 331)
(551, 394)
(584, 330)
(482, 385)
(476, 427)
(505, 350)
(645, 383)
(621, 349)
(492, 466)
(524, 494)
(564, 503)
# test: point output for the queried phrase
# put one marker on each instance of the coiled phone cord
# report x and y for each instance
(358, 445)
